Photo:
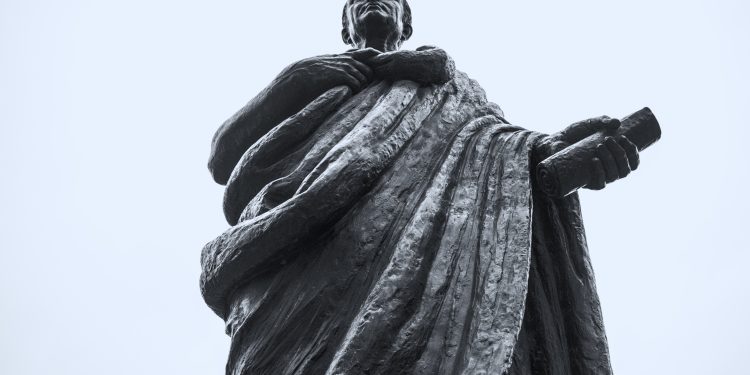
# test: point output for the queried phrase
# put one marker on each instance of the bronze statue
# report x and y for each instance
(387, 219)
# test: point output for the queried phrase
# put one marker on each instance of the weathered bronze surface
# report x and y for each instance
(386, 219)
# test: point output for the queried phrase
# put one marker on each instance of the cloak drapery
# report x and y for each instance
(398, 231)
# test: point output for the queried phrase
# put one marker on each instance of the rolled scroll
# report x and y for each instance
(567, 171)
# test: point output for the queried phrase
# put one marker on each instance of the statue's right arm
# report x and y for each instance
(290, 91)
(607, 159)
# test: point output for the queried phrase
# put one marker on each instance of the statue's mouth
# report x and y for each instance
(372, 6)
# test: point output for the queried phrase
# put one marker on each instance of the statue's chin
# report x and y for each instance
(375, 18)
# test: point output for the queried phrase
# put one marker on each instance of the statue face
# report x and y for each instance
(375, 10)
(382, 19)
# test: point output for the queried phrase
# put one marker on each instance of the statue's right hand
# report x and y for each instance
(613, 156)
(316, 75)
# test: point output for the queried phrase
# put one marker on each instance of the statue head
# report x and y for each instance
(380, 24)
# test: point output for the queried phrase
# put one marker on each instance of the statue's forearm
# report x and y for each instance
(304, 81)
(564, 167)
(427, 65)
(276, 102)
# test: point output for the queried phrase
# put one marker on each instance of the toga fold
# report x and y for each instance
(398, 231)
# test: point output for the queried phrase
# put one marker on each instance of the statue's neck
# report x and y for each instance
(381, 44)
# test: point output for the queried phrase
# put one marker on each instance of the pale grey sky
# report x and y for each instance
(107, 110)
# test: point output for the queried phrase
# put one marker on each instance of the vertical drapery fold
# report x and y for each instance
(395, 232)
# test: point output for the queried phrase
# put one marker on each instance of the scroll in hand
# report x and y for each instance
(592, 153)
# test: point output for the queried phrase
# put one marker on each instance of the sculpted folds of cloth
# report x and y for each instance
(386, 220)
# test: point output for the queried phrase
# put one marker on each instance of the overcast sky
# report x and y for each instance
(107, 110)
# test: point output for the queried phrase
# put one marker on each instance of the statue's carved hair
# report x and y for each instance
(406, 19)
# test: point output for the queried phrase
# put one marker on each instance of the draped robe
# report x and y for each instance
(398, 231)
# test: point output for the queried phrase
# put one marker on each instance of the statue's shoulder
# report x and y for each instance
(472, 92)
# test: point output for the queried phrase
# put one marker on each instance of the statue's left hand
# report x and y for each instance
(615, 157)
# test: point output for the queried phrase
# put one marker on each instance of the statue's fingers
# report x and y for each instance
(598, 175)
(608, 124)
(364, 54)
(585, 128)
(361, 78)
(634, 157)
(363, 68)
(621, 158)
(344, 78)
(608, 161)
(354, 72)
